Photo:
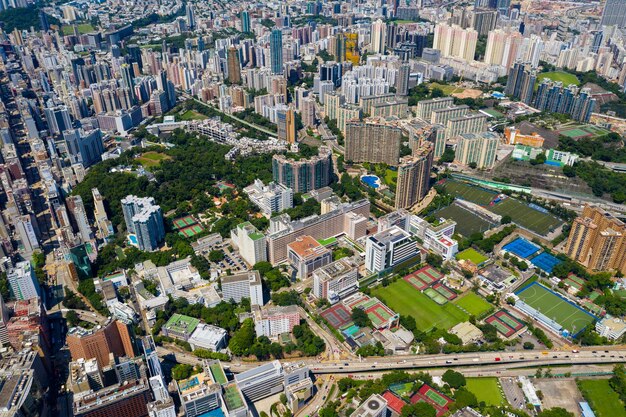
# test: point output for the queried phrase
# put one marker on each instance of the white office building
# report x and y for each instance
(335, 281)
(611, 327)
(374, 406)
(270, 198)
(244, 285)
(388, 248)
(262, 381)
(250, 243)
(23, 282)
(208, 337)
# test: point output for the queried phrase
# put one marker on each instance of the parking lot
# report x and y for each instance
(513, 393)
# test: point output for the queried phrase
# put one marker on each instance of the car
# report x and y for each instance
(554, 357)
(447, 362)
(574, 350)
(498, 359)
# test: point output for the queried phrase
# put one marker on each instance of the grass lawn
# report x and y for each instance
(391, 177)
(447, 89)
(191, 115)
(486, 389)
(473, 304)
(470, 193)
(603, 400)
(555, 307)
(472, 255)
(151, 159)
(82, 29)
(405, 299)
(561, 76)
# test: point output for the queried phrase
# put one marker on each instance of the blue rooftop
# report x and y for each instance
(586, 410)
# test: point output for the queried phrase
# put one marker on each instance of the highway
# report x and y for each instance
(498, 360)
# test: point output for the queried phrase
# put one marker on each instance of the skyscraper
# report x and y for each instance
(614, 13)
(286, 123)
(245, 21)
(379, 35)
(234, 67)
(372, 140)
(414, 176)
(128, 81)
(521, 82)
(304, 175)
(191, 17)
(276, 51)
(454, 41)
(553, 97)
(598, 240)
(23, 282)
(144, 219)
(477, 148)
(58, 119)
(113, 337)
(84, 148)
(402, 83)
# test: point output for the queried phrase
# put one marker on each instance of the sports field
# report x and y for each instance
(555, 307)
(405, 299)
(486, 389)
(192, 115)
(520, 212)
(435, 296)
(470, 193)
(473, 304)
(505, 323)
(529, 218)
(466, 221)
(472, 255)
(603, 400)
(561, 76)
(151, 158)
(582, 131)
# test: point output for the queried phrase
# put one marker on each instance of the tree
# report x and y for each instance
(506, 219)
(434, 260)
(420, 409)
(529, 345)
(454, 379)
(463, 398)
(555, 412)
(242, 339)
(181, 371)
(72, 318)
(283, 399)
(360, 318)
(216, 256)
(472, 165)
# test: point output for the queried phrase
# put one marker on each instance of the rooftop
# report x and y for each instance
(251, 276)
(182, 324)
(306, 246)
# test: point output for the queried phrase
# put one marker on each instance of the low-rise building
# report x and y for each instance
(611, 327)
(307, 254)
(270, 198)
(467, 332)
(374, 406)
(298, 394)
(208, 337)
(389, 248)
(262, 381)
(180, 327)
(335, 281)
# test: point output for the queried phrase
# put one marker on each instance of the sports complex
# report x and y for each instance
(552, 310)
(522, 248)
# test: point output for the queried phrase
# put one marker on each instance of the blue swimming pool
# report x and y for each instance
(350, 331)
(371, 181)
(132, 239)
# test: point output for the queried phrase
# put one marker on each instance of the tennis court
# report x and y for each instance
(545, 262)
(505, 323)
(521, 247)
(445, 291)
(435, 296)
(431, 396)
(416, 282)
(337, 316)
(555, 307)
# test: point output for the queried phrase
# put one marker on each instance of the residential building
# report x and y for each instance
(612, 328)
(244, 285)
(306, 254)
(250, 243)
(303, 175)
(144, 219)
(553, 97)
(262, 381)
(414, 177)
(270, 198)
(286, 124)
(274, 321)
(349, 219)
(180, 327)
(84, 148)
(208, 337)
(454, 41)
(112, 337)
(469, 123)
(234, 66)
(79, 217)
(378, 36)
(389, 248)
(425, 108)
(442, 115)
(23, 282)
(372, 140)
(477, 148)
(335, 281)
(597, 240)
(374, 406)
(128, 399)
(521, 81)
(105, 227)
(614, 14)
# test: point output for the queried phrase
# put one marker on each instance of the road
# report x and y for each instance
(252, 125)
(495, 360)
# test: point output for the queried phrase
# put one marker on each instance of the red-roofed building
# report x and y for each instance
(394, 403)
